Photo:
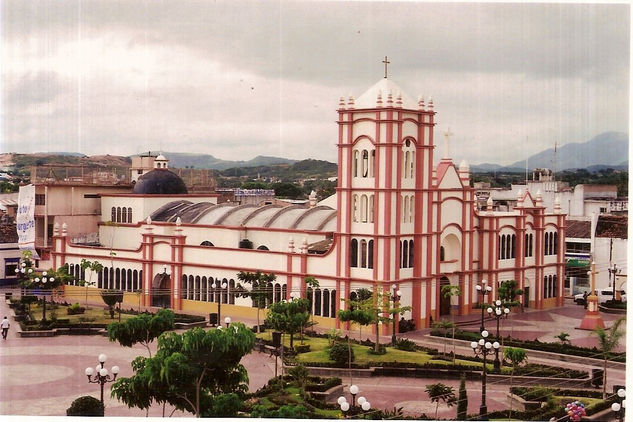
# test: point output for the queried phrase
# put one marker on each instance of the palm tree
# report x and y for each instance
(441, 392)
(608, 340)
(444, 326)
(516, 356)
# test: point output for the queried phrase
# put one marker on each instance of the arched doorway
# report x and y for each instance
(161, 290)
(445, 302)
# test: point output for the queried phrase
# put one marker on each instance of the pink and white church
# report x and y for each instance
(396, 218)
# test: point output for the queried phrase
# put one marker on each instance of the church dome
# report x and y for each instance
(160, 182)
(384, 87)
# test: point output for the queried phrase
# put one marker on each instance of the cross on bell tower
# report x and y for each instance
(386, 62)
(447, 140)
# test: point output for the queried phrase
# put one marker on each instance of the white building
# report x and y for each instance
(396, 219)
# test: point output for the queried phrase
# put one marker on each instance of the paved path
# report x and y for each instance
(42, 376)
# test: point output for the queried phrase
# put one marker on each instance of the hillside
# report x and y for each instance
(207, 161)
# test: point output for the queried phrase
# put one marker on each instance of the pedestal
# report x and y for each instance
(592, 319)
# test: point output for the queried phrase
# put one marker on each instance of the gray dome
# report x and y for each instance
(160, 182)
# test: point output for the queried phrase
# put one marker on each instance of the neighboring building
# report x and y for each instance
(577, 256)
(8, 207)
(9, 254)
(395, 219)
(246, 196)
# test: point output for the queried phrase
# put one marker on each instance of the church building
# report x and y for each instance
(396, 219)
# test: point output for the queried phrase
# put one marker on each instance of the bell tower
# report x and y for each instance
(385, 155)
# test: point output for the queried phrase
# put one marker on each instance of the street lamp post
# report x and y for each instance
(483, 348)
(227, 321)
(618, 408)
(216, 286)
(45, 279)
(499, 311)
(362, 401)
(483, 289)
(397, 294)
(101, 375)
(614, 271)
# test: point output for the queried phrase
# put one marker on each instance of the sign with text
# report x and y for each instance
(25, 219)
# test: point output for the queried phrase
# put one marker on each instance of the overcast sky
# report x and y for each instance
(237, 79)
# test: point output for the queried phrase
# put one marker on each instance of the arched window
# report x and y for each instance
(407, 163)
(502, 246)
(355, 164)
(546, 251)
(555, 251)
(363, 253)
(514, 238)
(117, 279)
(405, 208)
(183, 286)
(508, 247)
(135, 280)
(554, 292)
(317, 302)
(326, 303)
(277, 293)
(371, 208)
(271, 296)
(442, 253)
(118, 214)
(531, 244)
(232, 292)
(363, 208)
(412, 168)
(206, 243)
(203, 289)
(284, 292)
(310, 297)
(225, 291)
(129, 215)
(411, 253)
(113, 216)
(123, 215)
(190, 288)
(405, 254)
(262, 248)
(123, 279)
(401, 254)
(355, 208)
(365, 163)
(100, 279)
(353, 253)
(333, 303)
(411, 202)
(372, 163)
(197, 288)
(370, 254)
(112, 286)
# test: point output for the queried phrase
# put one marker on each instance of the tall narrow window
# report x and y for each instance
(355, 164)
(355, 208)
(113, 216)
(317, 302)
(123, 216)
(555, 251)
(514, 238)
(118, 214)
(407, 163)
(197, 288)
(371, 208)
(508, 247)
(129, 215)
(363, 253)
(370, 254)
(531, 244)
(412, 168)
(410, 253)
(405, 208)
(372, 163)
(405, 254)
(365, 163)
(232, 292)
(363, 208)
(502, 247)
(442, 254)
(333, 303)
(326, 303)
(353, 253)
(411, 202)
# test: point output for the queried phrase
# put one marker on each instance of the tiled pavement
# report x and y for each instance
(42, 376)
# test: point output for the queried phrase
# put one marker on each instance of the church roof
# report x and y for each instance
(294, 217)
(384, 86)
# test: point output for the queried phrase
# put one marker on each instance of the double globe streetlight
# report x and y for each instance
(100, 375)
(484, 348)
(396, 295)
(618, 408)
(362, 401)
(498, 312)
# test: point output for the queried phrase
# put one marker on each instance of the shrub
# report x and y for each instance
(85, 406)
(406, 345)
(340, 353)
(405, 325)
(381, 350)
(75, 309)
(225, 406)
(292, 412)
(302, 348)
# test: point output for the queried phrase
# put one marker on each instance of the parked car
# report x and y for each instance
(603, 296)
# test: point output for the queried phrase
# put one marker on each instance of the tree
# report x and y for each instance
(462, 400)
(288, 316)
(563, 337)
(111, 298)
(142, 329)
(40, 281)
(448, 291)
(190, 371)
(259, 291)
(608, 340)
(94, 267)
(509, 292)
(85, 406)
(516, 356)
(445, 327)
(441, 392)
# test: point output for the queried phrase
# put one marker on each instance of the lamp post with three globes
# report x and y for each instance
(100, 375)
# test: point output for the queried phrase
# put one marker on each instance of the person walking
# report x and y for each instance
(5, 327)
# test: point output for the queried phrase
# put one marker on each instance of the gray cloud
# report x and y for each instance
(250, 77)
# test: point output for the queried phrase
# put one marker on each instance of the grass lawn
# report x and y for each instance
(94, 315)
(319, 353)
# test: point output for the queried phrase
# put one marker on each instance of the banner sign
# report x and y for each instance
(25, 219)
